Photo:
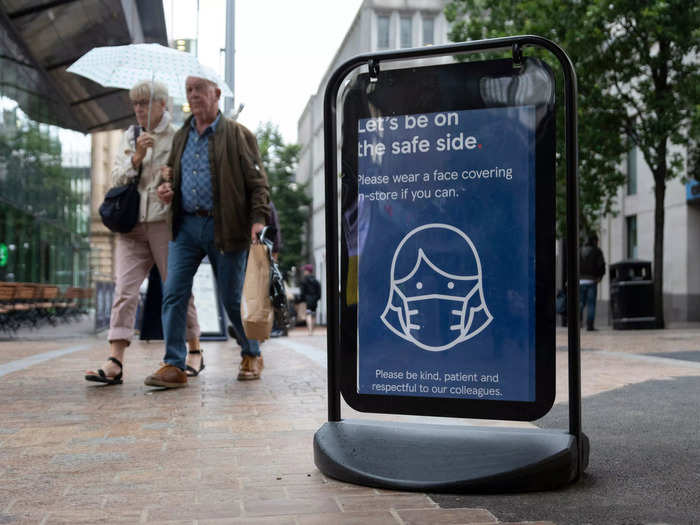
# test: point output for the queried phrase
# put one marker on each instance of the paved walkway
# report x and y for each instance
(223, 451)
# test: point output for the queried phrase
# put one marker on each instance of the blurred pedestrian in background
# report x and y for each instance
(144, 148)
(219, 196)
(310, 292)
(591, 270)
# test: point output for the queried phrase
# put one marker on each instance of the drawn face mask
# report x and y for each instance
(438, 321)
(435, 309)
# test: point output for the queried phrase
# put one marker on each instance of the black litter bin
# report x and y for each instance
(632, 295)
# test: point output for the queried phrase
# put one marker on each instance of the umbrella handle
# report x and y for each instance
(150, 99)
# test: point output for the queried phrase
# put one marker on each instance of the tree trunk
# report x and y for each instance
(659, 220)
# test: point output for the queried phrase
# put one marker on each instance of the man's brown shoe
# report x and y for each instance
(251, 368)
(167, 376)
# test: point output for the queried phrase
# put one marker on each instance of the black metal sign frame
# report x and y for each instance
(373, 61)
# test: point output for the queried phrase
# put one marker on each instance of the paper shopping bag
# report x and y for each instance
(256, 308)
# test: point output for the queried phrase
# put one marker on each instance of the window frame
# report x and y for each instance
(425, 19)
(381, 17)
(404, 17)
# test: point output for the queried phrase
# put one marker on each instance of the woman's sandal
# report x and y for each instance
(102, 377)
(191, 372)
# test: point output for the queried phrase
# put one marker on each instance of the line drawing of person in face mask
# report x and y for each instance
(436, 297)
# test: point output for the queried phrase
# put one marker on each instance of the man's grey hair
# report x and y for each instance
(208, 81)
(142, 91)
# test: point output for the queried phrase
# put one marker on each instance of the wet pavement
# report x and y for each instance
(224, 451)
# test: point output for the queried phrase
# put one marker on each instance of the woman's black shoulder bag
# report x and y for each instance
(120, 209)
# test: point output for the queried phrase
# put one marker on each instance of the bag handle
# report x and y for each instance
(263, 239)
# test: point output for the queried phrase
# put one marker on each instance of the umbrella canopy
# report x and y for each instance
(124, 66)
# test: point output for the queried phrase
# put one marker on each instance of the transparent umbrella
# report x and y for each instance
(124, 66)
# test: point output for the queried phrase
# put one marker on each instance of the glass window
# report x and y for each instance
(428, 31)
(406, 31)
(45, 189)
(383, 32)
(632, 171)
(631, 223)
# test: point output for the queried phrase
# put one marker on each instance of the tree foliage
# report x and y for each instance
(290, 199)
(637, 68)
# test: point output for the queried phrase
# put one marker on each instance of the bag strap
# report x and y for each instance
(137, 132)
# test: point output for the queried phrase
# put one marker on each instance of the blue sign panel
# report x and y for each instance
(446, 254)
(692, 192)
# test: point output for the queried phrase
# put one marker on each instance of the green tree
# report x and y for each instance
(637, 68)
(290, 199)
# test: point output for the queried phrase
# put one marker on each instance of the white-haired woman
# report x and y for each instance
(144, 148)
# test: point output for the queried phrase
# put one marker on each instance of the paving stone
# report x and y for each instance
(276, 477)
(121, 489)
(276, 520)
(77, 459)
(285, 507)
(148, 475)
(216, 495)
(439, 516)
(536, 523)
(352, 503)
(23, 517)
(179, 510)
(314, 490)
(147, 498)
(88, 517)
(182, 522)
(124, 440)
(227, 482)
(349, 518)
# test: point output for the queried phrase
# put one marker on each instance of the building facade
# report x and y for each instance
(378, 26)
(105, 146)
(630, 235)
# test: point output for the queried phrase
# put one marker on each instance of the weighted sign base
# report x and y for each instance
(446, 458)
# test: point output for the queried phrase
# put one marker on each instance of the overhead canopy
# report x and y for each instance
(39, 39)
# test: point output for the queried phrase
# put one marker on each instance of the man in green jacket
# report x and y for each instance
(219, 195)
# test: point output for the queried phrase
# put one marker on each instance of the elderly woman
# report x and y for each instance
(144, 148)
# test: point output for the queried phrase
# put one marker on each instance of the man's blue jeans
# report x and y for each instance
(194, 240)
(588, 295)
